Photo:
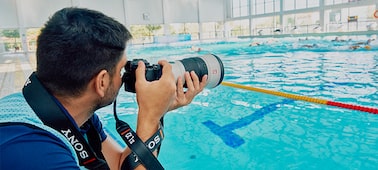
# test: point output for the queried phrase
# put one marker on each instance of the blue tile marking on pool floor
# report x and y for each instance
(232, 139)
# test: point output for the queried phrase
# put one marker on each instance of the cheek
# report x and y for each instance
(118, 82)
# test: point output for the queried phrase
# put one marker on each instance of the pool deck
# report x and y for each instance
(14, 69)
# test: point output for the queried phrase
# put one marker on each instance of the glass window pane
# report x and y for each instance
(288, 5)
(338, 1)
(300, 4)
(277, 4)
(269, 6)
(312, 3)
(264, 23)
(328, 2)
(244, 8)
(260, 8)
(260, 1)
(253, 7)
(244, 11)
(243, 2)
(11, 40)
(240, 8)
(236, 12)
(235, 3)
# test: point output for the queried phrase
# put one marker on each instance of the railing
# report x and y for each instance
(367, 25)
(213, 35)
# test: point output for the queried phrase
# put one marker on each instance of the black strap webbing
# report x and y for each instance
(51, 115)
(137, 146)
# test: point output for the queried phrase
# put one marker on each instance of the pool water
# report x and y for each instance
(230, 128)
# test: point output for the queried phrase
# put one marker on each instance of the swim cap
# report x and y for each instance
(367, 47)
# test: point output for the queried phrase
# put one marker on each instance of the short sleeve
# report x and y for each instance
(24, 147)
(98, 125)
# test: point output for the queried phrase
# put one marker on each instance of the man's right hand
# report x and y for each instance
(154, 98)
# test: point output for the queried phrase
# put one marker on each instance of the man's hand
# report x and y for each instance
(194, 86)
(154, 98)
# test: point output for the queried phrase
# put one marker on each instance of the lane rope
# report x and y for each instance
(304, 98)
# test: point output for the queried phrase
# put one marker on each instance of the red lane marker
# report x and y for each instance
(353, 107)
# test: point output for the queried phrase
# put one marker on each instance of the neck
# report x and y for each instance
(78, 107)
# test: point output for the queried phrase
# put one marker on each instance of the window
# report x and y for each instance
(312, 3)
(333, 2)
(338, 1)
(277, 4)
(259, 7)
(328, 2)
(240, 8)
(289, 5)
(269, 6)
(265, 6)
(11, 39)
(300, 4)
(238, 27)
(212, 30)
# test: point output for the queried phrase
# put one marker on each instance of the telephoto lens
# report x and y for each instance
(209, 64)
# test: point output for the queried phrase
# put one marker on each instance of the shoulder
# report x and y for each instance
(28, 147)
(98, 125)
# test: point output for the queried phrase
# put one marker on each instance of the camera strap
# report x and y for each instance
(52, 115)
(153, 143)
(141, 152)
(137, 146)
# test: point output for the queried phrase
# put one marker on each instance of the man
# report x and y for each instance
(80, 57)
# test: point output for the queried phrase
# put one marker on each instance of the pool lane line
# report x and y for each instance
(305, 98)
(226, 132)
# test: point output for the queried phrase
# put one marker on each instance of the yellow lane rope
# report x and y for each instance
(303, 98)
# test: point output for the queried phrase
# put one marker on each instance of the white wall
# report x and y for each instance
(34, 13)
(8, 14)
(112, 8)
(181, 11)
(28, 13)
(211, 10)
(140, 12)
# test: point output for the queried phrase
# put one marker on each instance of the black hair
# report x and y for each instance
(75, 45)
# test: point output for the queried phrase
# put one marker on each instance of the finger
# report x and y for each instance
(140, 72)
(180, 87)
(189, 81)
(167, 69)
(203, 82)
(195, 80)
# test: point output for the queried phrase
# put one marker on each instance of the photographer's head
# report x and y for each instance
(75, 46)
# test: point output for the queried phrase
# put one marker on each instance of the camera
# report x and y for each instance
(209, 64)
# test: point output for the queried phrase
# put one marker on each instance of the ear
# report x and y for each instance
(101, 82)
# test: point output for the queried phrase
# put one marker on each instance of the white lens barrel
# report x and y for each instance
(214, 69)
(178, 69)
(210, 64)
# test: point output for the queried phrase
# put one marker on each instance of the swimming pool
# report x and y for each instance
(231, 128)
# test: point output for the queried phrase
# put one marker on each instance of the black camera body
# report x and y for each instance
(209, 64)
(153, 72)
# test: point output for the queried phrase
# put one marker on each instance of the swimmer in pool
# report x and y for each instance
(195, 48)
(358, 45)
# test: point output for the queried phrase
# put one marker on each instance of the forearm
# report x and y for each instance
(146, 127)
(149, 133)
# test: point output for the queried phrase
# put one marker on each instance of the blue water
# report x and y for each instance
(229, 128)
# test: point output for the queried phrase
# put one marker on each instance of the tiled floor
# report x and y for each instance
(14, 69)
